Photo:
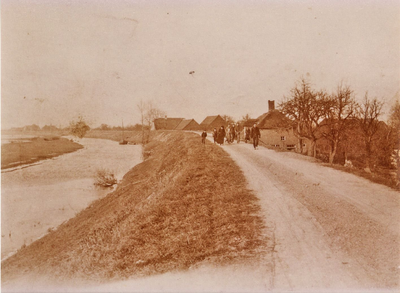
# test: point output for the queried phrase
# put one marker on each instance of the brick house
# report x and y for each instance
(276, 129)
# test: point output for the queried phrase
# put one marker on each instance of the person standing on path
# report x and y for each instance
(255, 135)
(203, 137)
(215, 135)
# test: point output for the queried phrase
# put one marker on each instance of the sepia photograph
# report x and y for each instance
(200, 146)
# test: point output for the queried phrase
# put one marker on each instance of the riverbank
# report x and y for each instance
(31, 150)
(40, 197)
(185, 205)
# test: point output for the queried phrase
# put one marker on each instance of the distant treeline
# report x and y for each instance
(34, 127)
(136, 127)
(52, 128)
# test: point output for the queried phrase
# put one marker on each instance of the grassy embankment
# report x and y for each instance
(36, 149)
(185, 204)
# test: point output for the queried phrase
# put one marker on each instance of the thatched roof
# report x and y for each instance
(166, 123)
(188, 124)
(274, 119)
(212, 122)
(208, 120)
(249, 122)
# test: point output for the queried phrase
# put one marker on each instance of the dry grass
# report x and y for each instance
(185, 204)
(380, 176)
(104, 178)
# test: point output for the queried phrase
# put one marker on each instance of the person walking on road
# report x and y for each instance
(203, 137)
(215, 135)
(246, 134)
(221, 135)
(255, 135)
(237, 132)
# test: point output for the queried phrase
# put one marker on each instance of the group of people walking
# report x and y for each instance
(233, 132)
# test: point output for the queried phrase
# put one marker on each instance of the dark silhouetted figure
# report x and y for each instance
(215, 135)
(203, 137)
(255, 135)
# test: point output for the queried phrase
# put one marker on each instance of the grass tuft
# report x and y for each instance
(104, 178)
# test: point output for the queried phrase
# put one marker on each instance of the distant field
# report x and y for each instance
(35, 149)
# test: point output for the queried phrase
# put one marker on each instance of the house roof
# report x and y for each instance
(187, 123)
(274, 119)
(182, 124)
(167, 123)
(249, 122)
(209, 119)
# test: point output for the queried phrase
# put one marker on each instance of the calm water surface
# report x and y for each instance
(40, 197)
(7, 138)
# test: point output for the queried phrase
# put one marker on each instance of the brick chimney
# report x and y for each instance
(271, 105)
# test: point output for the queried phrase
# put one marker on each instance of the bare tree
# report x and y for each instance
(152, 113)
(148, 113)
(228, 119)
(338, 109)
(394, 123)
(305, 108)
(369, 112)
(246, 118)
(142, 110)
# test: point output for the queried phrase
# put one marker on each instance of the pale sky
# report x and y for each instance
(98, 59)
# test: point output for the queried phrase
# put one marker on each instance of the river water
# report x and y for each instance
(8, 138)
(39, 197)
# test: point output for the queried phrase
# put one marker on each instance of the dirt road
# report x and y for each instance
(327, 230)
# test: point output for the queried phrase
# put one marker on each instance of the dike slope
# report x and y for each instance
(186, 204)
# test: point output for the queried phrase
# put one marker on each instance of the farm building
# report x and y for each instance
(276, 129)
(188, 124)
(211, 122)
(249, 123)
(166, 123)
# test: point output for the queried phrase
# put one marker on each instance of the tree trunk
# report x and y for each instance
(314, 148)
(368, 154)
(300, 140)
(142, 134)
(300, 145)
(332, 153)
(398, 157)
